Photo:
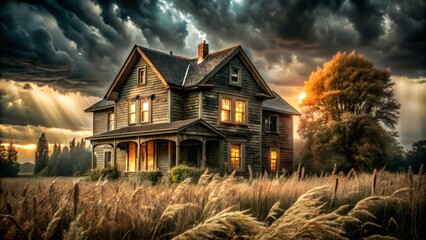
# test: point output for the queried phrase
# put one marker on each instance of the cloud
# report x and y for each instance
(30, 104)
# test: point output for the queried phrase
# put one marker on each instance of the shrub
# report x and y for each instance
(153, 176)
(182, 172)
(110, 173)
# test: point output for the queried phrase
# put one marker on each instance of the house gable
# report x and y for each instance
(134, 56)
(153, 91)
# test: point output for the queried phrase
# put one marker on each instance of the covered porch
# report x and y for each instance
(135, 148)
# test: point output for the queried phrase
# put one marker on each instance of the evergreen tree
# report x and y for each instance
(41, 154)
(9, 166)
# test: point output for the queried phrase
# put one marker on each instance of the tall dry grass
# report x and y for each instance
(338, 206)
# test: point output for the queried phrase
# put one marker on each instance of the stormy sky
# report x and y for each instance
(57, 58)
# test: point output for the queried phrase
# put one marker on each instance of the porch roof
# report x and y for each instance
(155, 129)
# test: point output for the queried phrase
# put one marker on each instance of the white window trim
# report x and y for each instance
(233, 110)
(239, 83)
(109, 122)
(144, 68)
(112, 160)
(149, 110)
(278, 159)
(243, 156)
(128, 112)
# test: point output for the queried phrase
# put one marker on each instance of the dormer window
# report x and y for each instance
(142, 76)
(234, 76)
(132, 112)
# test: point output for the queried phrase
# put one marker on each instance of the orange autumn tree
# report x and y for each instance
(349, 115)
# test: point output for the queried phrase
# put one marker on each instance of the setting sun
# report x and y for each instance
(301, 97)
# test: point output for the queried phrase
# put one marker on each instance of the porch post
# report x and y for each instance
(203, 154)
(138, 148)
(93, 156)
(114, 163)
(177, 152)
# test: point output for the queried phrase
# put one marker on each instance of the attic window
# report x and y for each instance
(142, 76)
(234, 76)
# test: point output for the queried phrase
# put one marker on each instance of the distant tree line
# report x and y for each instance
(9, 166)
(71, 160)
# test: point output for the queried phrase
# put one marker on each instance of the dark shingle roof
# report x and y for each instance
(198, 71)
(102, 104)
(153, 129)
(174, 68)
(278, 104)
(171, 67)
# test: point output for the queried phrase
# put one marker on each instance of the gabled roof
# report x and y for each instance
(278, 104)
(155, 129)
(102, 104)
(183, 72)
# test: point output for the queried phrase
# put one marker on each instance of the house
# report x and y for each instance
(215, 110)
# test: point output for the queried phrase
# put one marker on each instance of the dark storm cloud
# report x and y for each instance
(79, 45)
(390, 33)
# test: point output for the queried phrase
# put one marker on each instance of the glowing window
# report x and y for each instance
(274, 158)
(240, 108)
(226, 110)
(145, 111)
(235, 160)
(132, 113)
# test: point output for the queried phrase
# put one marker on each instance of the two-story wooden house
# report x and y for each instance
(215, 110)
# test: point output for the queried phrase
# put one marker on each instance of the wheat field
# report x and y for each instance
(381, 205)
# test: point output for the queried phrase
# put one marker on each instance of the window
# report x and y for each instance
(132, 112)
(236, 157)
(147, 156)
(145, 106)
(274, 158)
(131, 167)
(226, 110)
(107, 159)
(111, 117)
(142, 75)
(232, 110)
(240, 108)
(234, 76)
(270, 123)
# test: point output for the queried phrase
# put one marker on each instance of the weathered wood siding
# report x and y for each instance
(191, 105)
(283, 141)
(177, 105)
(131, 89)
(249, 133)
(121, 159)
(100, 121)
(99, 154)
(163, 155)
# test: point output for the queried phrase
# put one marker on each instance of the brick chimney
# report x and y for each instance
(203, 50)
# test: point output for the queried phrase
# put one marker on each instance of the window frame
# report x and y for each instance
(110, 158)
(143, 80)
(129, 113)
(242, 156)
(233, 110)
(221, 109)
(267, 125)
(141, 111)
(277, 160)
(239, 83)
(110, 123)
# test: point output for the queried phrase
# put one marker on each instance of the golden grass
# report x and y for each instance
(359, 205)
